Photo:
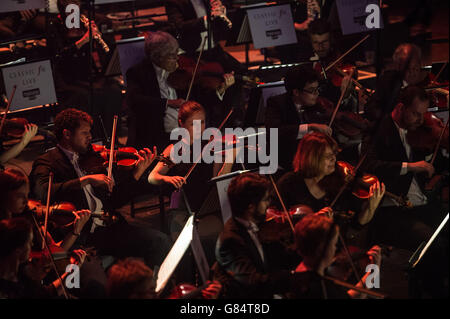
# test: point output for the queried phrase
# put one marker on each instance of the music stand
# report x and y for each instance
(35, 85)
(188, 237)
(423, 247)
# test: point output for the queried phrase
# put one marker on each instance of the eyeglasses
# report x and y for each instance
(312, 90)
(332, 155)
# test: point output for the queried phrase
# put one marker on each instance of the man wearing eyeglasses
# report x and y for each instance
(296, 112)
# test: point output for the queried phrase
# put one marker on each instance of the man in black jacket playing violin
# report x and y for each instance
(80, 178)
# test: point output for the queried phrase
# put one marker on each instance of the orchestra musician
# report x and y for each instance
(332, 83)
(30, 131)
(196, 188)
(19, 278)
(242, 266)
(405, 70)
(294, 113)
(405, 171)
(316, 179)
(14, 188)
(78, 74)
(79, 178)
(189, 21)
(316, 239)
(151, 96)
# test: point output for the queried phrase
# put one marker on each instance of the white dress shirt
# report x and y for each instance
(303, 128)
(94, 203)
(169, 93)
(415, 195)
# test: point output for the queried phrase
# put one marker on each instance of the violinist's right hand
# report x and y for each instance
(82, 216)
(320, 128)
(175, 104)
(421, 166)
(176, 181)
(98, 180)
(326, 211)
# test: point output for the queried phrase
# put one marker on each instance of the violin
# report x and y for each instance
(124, 157)
(348, 124)
(425, 138)
(61, 214)
(208, 75)
(362, 184)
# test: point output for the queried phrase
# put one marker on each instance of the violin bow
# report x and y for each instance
(7, 108)
(350, 286)
(47, 206)
(347, 52)
(436, 148)
(210, 139)
(439, 73)
(202, 48)
(282, 204)
(333, 116)
(111, 152)
(52, 260)
(341, 191)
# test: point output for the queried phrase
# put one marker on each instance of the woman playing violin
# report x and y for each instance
(316, 180)
(316, 238)
(14, 190)
(30, 131)
(195, 187)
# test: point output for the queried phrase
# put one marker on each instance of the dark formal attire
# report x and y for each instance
(146, 107)
(118, 239)
(385, 97)
(294, 191)
(283, 114)
(243, 268)
(405, 228)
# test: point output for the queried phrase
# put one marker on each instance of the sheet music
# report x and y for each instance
(175, 254)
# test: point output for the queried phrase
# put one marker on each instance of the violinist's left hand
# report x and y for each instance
(212, 291)
(376, 194)
(374, 254)
(78, 257)
(229, 80)
(146, 158)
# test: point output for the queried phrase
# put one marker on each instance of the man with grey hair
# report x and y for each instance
(153, 102)
(405, 70)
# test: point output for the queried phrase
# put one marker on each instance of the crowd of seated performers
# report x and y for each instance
(349, 185)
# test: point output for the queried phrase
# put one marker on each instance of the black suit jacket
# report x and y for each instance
(66, 185)
(386, 156)
(241, 269)
(146, 107)
(281, 113)
(385, 97)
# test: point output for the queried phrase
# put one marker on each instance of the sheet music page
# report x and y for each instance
(175, 254)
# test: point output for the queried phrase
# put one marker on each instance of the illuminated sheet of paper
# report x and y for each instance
(175, 254)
